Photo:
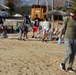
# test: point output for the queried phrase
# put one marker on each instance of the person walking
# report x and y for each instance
(45, 27)
(27, 25)
(23, 28)
(69, 41)
(36, 26)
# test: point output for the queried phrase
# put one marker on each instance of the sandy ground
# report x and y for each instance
(31, 57)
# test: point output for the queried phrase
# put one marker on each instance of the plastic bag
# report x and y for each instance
(59, 41)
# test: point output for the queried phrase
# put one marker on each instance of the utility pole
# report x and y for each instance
(37, 2)
(52, 4)
(52, 18)
(46, 5)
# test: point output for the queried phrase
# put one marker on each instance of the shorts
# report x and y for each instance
(25, 29)
(45, 30)
(35, 28)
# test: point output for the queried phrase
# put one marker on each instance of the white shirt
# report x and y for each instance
(45, 25)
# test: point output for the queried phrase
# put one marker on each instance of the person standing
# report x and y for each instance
(1, 23)
(45, 27)
(69, 41)
(27, 25)
(2, 28)
(36, 25)
(24, 28)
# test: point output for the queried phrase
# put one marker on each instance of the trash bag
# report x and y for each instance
(59, 41)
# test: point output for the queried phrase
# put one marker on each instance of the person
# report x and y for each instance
(69, 41)
(36, 25)
(27, 26)
(45, 27)
(2, 28)
(19, 29)
(24, 28)
(1, 23)
(27, 22)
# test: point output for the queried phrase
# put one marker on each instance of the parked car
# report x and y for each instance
(4, 13)
(17, 15)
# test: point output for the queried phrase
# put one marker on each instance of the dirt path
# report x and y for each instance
(31, 57)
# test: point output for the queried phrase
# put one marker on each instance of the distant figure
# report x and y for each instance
(1, 23)
(24, 28)
(2, 28)
(36, 26)
(45, 27)
(27, 22)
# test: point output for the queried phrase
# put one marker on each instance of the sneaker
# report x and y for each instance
(62, 66)
(42, 40)
(19, 39)
(32, 36)
(26, 39)
(46, 41)
(35, 37)
(70, 69)
(23, 39)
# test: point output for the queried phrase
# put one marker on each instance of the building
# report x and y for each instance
(4, 10)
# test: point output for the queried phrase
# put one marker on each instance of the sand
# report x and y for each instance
(31, 57)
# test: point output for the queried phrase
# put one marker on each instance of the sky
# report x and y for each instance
(1, 1)
(30, 2)
(42, 2)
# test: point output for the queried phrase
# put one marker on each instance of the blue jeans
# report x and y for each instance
(70, 46)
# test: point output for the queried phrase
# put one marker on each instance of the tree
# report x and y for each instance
(23, 10)
(73, 5)
(8, 1)
(15, 2)
(12, 5)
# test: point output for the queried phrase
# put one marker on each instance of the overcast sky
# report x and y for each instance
(34, 1)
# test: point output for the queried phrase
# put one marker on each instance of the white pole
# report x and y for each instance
(37, 2)
(46, 5)
(52, 5)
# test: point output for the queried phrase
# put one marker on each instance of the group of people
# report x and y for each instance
(24, 28)
(69, 37)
